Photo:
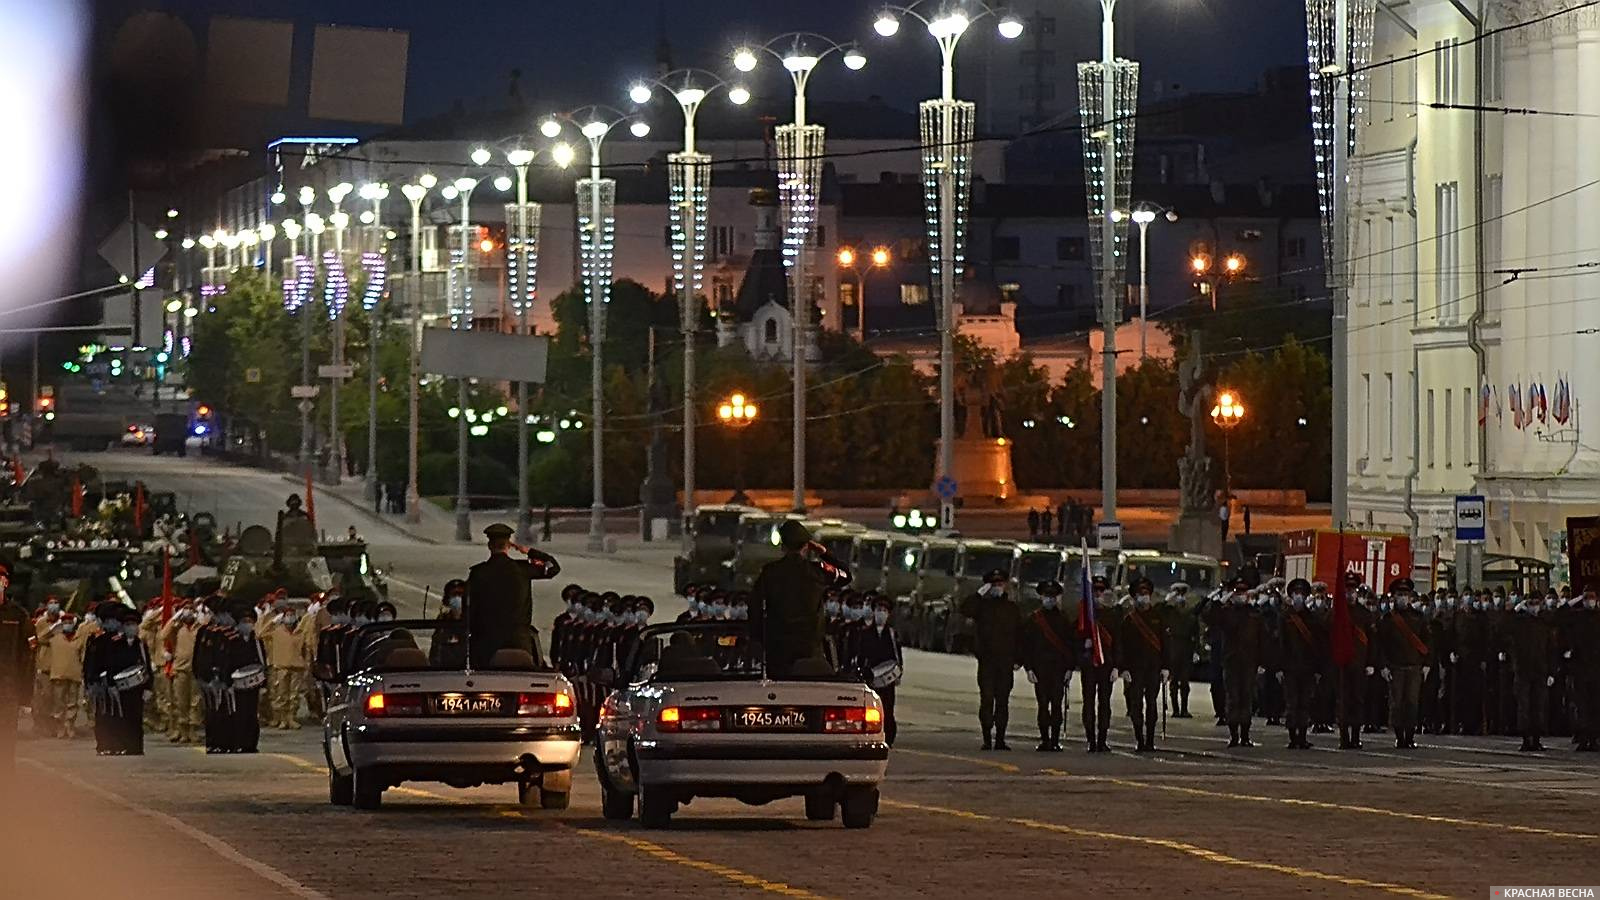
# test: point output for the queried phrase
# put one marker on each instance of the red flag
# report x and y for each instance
(168, 599)
(77, 497)
(311, 501)
(138, 508)
(1342, 641)
(18, 476)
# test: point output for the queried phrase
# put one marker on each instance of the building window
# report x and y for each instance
(1366, 416)
(1382, 260)
(1389, 415)
(1070, 249)
(1430, 431)
(1450, 426)
(912, 294)
(723, 291)
(1447, 252)
(1493, 237)
(847, 293)
(721, 241)
(1066, 296)
(1007, 249)
(1391, 231)
(1446, 71)
(910, 248)
(1390, 100)
(821, 235)
(1249, 234)
(769, 331)
(1494, 82)
(1294, 248)
(1362, 257)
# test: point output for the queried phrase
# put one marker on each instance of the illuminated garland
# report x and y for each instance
(1323, 39)
(377, 271)
(963, 118)
(596, 260)
(689, 180)
(522, 258)
(335, 285)
(1124, 107)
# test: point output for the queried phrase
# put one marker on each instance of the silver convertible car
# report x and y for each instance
(695, 715)
(403, 705)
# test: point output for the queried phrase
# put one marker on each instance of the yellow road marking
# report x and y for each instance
(734, 875)
(1196, 851)
(991, 763)
(1295, 801)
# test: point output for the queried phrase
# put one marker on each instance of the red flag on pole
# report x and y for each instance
(311, 501)
(77, 497)
(138, 508)
(1342, 640)
(1088, 625)
(168, 600)
(18, 476)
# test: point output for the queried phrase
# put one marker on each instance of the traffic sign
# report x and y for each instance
(307, 406)
(252, 376)
(945, 487)
(1108, 536)
(305, 391)
(118, 250)
(340, 371)
(1472, 514)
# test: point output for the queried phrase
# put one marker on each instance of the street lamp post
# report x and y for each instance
(690, 174)
(737, 413)
(850, 259)
(1227, 414)
(1210, 277)
(1143, 215)
(415, 194)
(800, 148)
(376, 194)
(599, 226)
(339, 219)
(946, 160)
(461, 317)
(520, 159)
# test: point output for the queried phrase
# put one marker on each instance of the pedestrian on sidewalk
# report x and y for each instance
(377, 498)
(1033, 523)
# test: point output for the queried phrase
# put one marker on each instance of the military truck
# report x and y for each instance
(713, 543)
(353, 571)
(756, 543)
(1203, 574)
(975, 559)
(839, 537)
(902, 559)
(872, 548)
(933, 597)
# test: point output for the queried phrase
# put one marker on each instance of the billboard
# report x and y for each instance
(359, 74)
(489, 355)
(1583, 553)
(248, 60)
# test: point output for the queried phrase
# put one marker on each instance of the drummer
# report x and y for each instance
(878, 658)
(244, 670)
(116, 672)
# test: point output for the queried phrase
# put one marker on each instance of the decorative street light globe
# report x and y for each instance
(1228, 411)
(880, 256)
(847, 257)
(481, 156)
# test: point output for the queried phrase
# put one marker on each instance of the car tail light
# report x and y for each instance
(690, 718)
(852, 720)
(549, 706)
(390, 705)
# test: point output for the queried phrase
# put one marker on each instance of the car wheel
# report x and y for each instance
(820, 807)
(340, 788)
(655, 808)
(859, 807)
(366, 791)
(615, 805)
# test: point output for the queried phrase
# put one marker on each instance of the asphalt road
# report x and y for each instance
(1196, 818)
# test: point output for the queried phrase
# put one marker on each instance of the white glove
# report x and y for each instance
(1567, 655)
(1280, 677)
(1166, 676)
(1196, 659)
(1426, 670)
(1127, 677)
(1032, 678)
(1088, 644)
(1369, 670)
(1549, 681)
(1454, 657)
(166, 657)
(1502, 656)
(1387, 675)
(1261, 670)
(1113, 674)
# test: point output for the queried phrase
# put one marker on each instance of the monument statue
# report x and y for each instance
(1194, 399)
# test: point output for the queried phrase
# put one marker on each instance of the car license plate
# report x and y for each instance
(769, 719)
(468, 704)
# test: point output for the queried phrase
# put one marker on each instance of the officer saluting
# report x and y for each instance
(500, 598)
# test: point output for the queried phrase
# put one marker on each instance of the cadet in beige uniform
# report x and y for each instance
(65, 646)
(177, 638)
(287, 663)
(157, 715)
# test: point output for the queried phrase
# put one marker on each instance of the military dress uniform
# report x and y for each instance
(1048, 655)
(1351, 713)
(1403, 655)
(1469, 666)
(1183, 644)
(287, 664)
(786, 601)
(1095, 680)
(997, 624)
(500, 600)
(1533, 660)
(65, 651)
(178, 637)
(1302, 646)
(157, 715)
(1243, 635)
(1140, 653)
(1580, 639)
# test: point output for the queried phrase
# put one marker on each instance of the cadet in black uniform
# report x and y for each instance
(1243, 633)
(876, 644)
(448, 649)
(997, 626)
(1096, 679)
(1533, 658)
(1140, 641)
(119, 711)
(500, 598)
(1302, 643)
(1048, 655)
(786, 600)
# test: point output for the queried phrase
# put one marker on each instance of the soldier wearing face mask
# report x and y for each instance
(288, 664)
(1377, 705)
(1141, 652)
(1243, 638)
(1302, 644)
(564, 626)
(1183, 646)
(64, 647)
(835, 620)
(448, 648)
(1467, 661)
(691, 603)
(1324, 697)
(240, 651)
(1404, 659)
(1580, 638)
(876, 646)
(178, 639)
(1048, 654)
(44, 624)
(1502, 685)
(1269, 699)
(1555, 609)
(1533, 663)
(996, 625)
(857, 617)
(1096, 681)
(118, 696)
(330, 643)
(1438, 684)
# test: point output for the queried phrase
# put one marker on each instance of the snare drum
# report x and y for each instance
(886, 673)
(131, 678)
(249, 678)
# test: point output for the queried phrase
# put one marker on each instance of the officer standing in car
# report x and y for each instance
(996, 626)
(1049, 657)
(786, 599)
(500, 598)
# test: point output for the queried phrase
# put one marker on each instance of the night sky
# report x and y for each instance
(577, 51)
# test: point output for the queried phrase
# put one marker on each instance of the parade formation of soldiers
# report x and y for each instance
(1475, 663)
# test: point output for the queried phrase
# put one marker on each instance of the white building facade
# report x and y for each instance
(1472, 310)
